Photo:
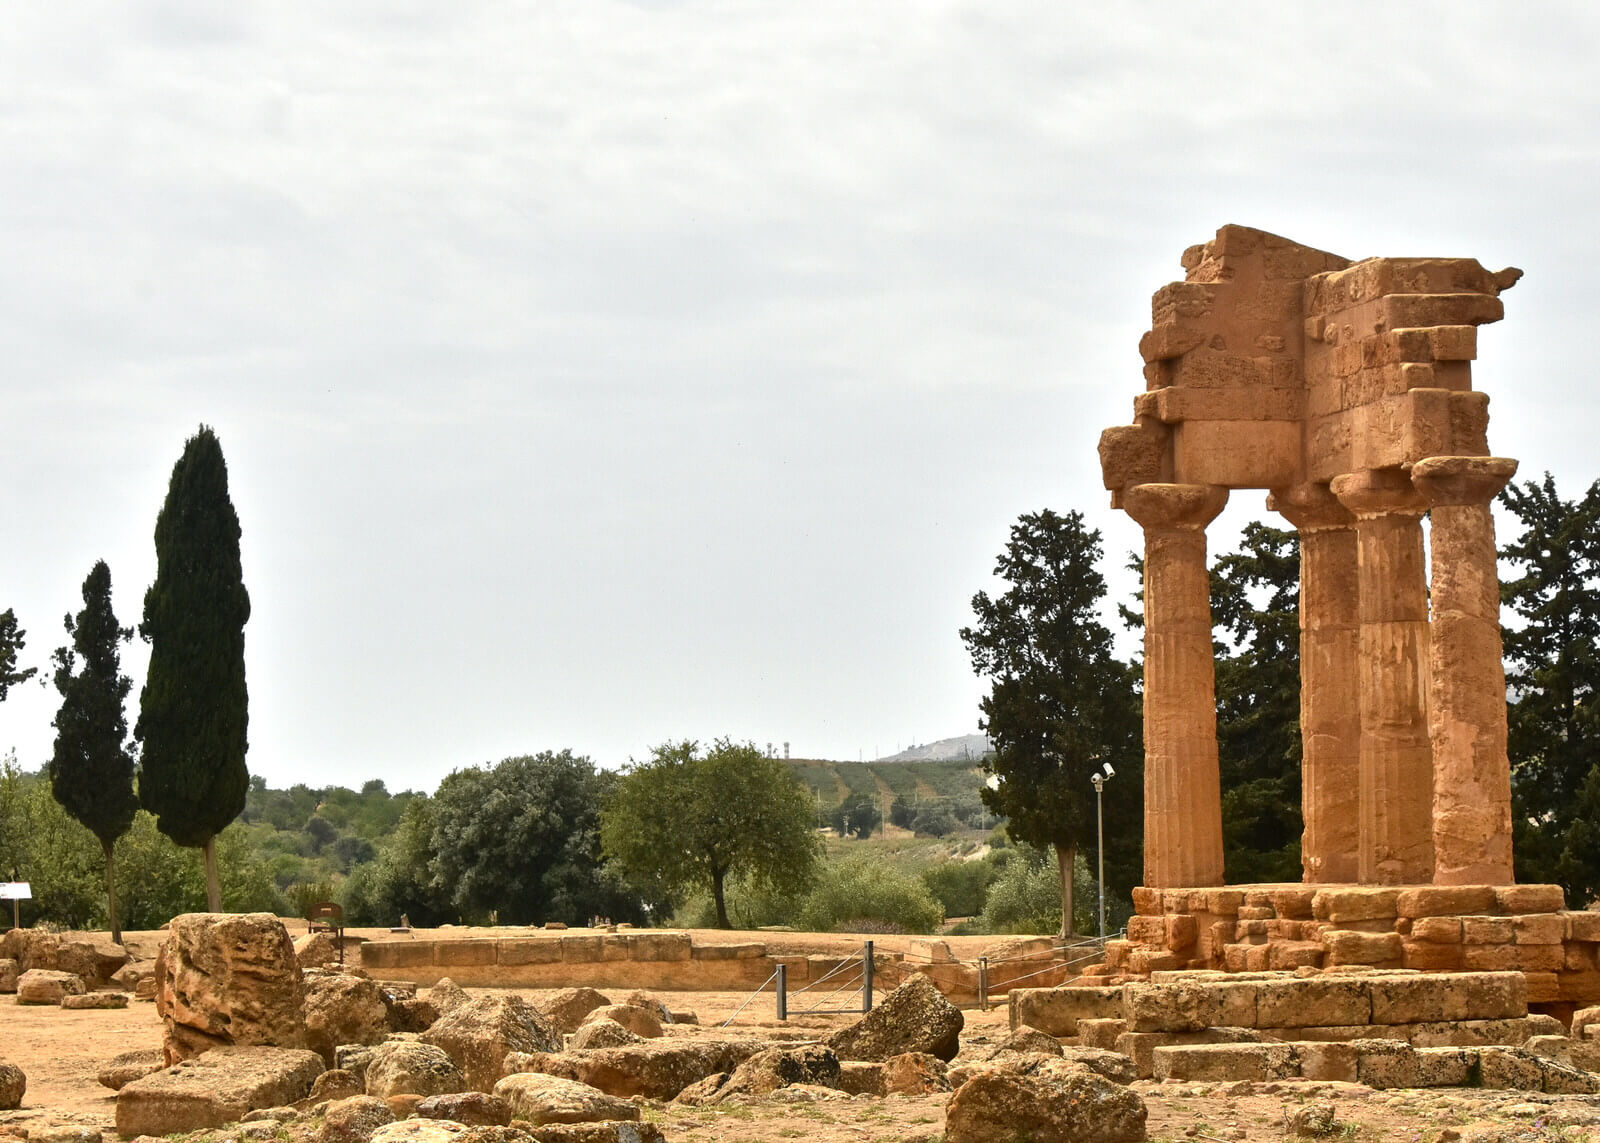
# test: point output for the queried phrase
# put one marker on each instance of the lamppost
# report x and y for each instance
(1099, 779)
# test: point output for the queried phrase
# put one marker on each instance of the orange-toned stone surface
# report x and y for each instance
(1344, 388)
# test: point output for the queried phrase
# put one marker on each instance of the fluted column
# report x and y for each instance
(1396, 765)
(1182, 788)
(1330, 695)
(1467, 707)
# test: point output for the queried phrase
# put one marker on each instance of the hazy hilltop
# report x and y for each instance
(968, 748)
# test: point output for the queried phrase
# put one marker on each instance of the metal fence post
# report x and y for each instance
(783, 992)
(983, 984)
(866, 976)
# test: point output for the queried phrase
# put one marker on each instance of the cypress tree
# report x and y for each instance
(193, 711)
(91, 771)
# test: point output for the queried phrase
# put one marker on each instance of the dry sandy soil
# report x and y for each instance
(62, 1050)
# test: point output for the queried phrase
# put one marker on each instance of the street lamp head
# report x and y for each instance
(1110, 773)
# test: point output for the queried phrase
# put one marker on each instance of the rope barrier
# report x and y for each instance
(748, 999)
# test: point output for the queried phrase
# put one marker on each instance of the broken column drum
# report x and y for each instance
(1344, 390)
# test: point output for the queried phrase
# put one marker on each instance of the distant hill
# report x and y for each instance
(953, 780)
(968, 748)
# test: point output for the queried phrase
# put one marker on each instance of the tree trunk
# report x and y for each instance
(111, 894)
(1066, 857)
(213, 883)
(721, 899)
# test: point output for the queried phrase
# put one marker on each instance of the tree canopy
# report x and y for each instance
(1255, 600)
(689, 818)
(1060, 705)
(193, 710)
(1552, 652)
(91, 770)
(12, 640)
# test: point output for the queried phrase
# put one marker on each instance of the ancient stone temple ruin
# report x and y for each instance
(1344, 390)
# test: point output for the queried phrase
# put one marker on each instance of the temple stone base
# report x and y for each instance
(1427, 928)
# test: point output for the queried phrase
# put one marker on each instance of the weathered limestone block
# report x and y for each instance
(1225, 1062)
(542, 1099)
(1452, 996)
(401, 1067)
(336, 1084)
(567, 1009)
(214, 1088)
(602, 1033)
(229, 979)
(642, 1022)
(1356, 903)
(913, 1018)
(342, 1009)
(95, 1000)
(47, 986)
(353, 1119)
(96, 959)
(479, 1033)
(1190, 1007)
(1313, 1001)
(1056, 1102)
(473, 1108)
(659, 946)
(1350, 947)
(13, 1086)
(1444, 901)
(9, 972)
(1514, 899)
(527, 950)
(129, 1066)
(655, 1069)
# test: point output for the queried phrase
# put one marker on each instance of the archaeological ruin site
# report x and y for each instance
(1405, 988)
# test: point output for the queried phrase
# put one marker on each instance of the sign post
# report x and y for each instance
(16, 892)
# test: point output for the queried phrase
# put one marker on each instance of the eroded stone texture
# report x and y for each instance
(1345, 388)
(1182, 786)
(226, 979)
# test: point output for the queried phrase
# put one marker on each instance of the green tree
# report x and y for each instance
(1552, 672)
(193, 711)
(91, 771)
(1060, 705)
(1255, 600)
(688, 818)
(858, 814)
(400, 882)
(522, 838)
(12, 641)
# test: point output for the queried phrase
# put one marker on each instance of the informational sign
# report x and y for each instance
(15, 891)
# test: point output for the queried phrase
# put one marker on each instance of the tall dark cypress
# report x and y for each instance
(91, 771)
(194, 709)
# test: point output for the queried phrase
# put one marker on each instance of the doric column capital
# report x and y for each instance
(1462, 479)
(1378, 492)
(1309, 507)
(1174, 507)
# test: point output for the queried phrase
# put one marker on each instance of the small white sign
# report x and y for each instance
(15, 891)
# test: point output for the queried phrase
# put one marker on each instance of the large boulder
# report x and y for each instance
(96, 959)
(48, 986)
(542, 1099)
(216, 1087)
(13, 1086)
(566, 1009)
(767, 1071)
(122, 1070)
(402, 1067)
(914, 1073)
(915, 1017)
(480, 1032)
(100, 1000)
(1053, 1102)
(316, 950)
(10, 970)
(446, 995)
(342, 1009)
(655, 1069)
(353, 1120)
(31, 948)
(229, 979)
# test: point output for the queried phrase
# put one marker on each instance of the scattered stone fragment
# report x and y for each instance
(13, 1086)
(1314, 1120)
(65, 1133)
(642, 1022)
(404, 1067)
(551, 1099)
(480, 1032)
(104, 1000)
(9, 972)
(47, 986)
(914, 1073)
(1057, 1102)
(616, 1132)
(915, 1017)
(353, 1120)
(214, 1088)
(861, 1077)
(650, 1002)
(336, 1084)
(566, 1009)
(655, 1069)
(342, 1008)
(446, 994)
(316, 950)
(420, 1131)
(768, 1070)
(229, 978)
(474, 1108)
(604, 1033)
(129, 1066)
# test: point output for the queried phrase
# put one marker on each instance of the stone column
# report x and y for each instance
(1467, 708)
(1396, 766)
(1182, 788)
(1330, 696)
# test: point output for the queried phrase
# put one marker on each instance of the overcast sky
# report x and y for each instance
(595, 374)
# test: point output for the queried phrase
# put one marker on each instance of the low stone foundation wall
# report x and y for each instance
(672, 961)
(1431, 928)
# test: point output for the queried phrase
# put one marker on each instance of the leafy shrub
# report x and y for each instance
(960, 886)
(859, 890)
(935, 821)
